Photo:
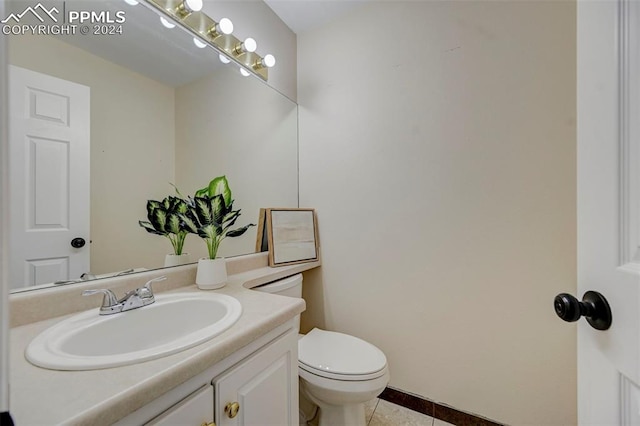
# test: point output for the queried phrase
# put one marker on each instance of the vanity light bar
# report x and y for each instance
(215, 34)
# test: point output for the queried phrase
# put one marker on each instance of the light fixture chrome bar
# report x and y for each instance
(209, 31)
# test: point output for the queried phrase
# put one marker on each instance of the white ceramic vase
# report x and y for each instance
(212, 273)
(176, 259)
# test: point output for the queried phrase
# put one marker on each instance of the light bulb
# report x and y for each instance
(226, 26)
(269, 61)
(199, 43)
(193, 5)
(187, 7)
(250, 45)
(224, 59)
(167, 23)
(131, 2)
(244, 72)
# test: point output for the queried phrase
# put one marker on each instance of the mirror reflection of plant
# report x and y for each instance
(164, 219)
(210, 215)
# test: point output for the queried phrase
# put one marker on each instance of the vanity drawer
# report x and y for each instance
(196, 409)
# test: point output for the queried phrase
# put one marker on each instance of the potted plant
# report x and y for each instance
(164, 219)
(210, 215)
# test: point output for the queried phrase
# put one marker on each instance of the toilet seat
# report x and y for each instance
(340, 356)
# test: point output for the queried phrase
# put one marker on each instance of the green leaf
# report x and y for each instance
(204, 210)
(160, 219)
(201, 193)
(177, 191)
(189, 222)
(173, 224)
(219, 210)
(220, 186)
(239, 231)
(149, 227)
(165, 219)
(230, 219)
(181, 207)
(210, 214)
(152, 206)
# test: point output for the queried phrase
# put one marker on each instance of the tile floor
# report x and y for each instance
(379, 412)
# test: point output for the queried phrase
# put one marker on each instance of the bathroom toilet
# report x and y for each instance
(337, 372)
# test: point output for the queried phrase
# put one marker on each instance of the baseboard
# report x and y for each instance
(434, 409)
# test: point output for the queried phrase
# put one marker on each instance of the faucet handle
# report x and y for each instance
(146, 291)
(108, 300)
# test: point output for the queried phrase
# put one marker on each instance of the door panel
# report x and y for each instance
(49, 151)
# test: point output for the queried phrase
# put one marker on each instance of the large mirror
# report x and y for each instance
(158, 112)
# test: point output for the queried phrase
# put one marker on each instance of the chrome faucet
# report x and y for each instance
(133, 299)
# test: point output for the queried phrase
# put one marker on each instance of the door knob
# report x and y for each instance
(231, 409)
(594, 307)
(78, 242)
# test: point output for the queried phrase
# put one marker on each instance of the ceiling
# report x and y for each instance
(304, 15)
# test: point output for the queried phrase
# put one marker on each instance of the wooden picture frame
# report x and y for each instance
(289, 234)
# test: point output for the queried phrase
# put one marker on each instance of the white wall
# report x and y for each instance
(132, 148)
(437, 143)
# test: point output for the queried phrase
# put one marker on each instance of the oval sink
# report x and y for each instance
(175, 322)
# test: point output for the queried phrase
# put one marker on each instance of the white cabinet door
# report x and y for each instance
(264, 387)
(194, 410)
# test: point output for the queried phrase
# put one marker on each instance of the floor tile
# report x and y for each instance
(438, 422)
(369, 408)
(389, 414)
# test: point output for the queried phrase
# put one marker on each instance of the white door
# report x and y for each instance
(609, 208)
(49, 178)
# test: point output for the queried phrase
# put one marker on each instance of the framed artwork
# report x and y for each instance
(289, 235)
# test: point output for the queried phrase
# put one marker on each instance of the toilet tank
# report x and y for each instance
(291, 286)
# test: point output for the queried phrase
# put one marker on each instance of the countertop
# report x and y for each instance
(41, 397)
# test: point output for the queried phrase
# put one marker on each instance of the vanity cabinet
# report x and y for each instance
(257, 386)
(263, 390)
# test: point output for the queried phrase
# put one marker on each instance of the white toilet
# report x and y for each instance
(338, 372)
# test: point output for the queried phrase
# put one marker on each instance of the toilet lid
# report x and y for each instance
(337, 353)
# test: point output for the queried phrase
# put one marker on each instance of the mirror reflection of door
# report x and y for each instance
(49, 184)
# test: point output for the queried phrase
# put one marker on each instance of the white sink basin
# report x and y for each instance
(175, 322)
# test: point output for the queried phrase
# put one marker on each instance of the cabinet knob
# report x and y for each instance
(208, 424)
(231, 409)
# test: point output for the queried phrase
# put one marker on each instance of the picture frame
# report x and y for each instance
(290, 235)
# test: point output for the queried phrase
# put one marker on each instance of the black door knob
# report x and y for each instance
(78, 242)
(594, 307)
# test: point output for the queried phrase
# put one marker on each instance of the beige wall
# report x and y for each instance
(132, 148)
(437, 142)
(253, 18)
